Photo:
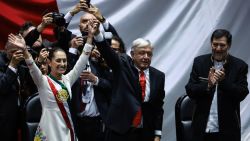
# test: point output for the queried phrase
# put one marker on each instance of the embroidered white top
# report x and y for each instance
(52, 126)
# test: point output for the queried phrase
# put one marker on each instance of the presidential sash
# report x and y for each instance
(62, 96)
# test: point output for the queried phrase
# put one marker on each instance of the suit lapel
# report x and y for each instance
(138, 85)
(91, 65)
(135, 77)
(152, 81)
(78, 95)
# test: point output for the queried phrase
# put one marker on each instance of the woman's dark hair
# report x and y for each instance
(122, 46)
(53, 51)
(218, 33)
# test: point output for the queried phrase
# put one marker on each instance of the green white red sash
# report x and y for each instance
(61, 106)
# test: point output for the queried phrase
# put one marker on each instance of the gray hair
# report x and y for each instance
(140, 42)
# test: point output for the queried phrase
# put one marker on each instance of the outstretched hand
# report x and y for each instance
(17, 41)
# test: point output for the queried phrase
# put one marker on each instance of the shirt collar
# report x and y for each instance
(146, 71)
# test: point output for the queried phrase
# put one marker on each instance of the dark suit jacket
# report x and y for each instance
(101, 91)
(126, 93)
(231, 91)
(9, 93)
(8, 101)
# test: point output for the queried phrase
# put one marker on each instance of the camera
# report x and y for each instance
(88, 2)
(58, 19)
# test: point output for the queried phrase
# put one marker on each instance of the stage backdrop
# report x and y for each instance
(178, 29)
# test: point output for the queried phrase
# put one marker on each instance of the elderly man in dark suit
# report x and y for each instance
(217, 84)
(10, 91)
(135, 111)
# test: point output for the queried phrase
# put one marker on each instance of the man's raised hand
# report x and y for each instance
(17, 41)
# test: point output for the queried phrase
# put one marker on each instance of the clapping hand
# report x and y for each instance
(219, 74)
(215, 76)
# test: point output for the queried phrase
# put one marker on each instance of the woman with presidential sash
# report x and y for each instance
(55, 89)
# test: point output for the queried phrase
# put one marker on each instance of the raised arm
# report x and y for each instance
(82, 61)
(34, 34)
(8, 74)
(110, 56)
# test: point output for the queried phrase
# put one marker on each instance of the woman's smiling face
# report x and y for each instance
(58, 63)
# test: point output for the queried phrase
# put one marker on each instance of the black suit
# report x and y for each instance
(8, 101)
(10, 91)
(231, 91)
(126, 94)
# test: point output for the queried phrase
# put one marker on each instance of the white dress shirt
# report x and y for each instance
(212, 124)
(91, 109)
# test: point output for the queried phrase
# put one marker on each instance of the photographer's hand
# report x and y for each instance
(95, 53)
(79, 7)
(96, 12)
(76, 42)
(88, 76)
(46, 20)
(43, 55)
(93, 29)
